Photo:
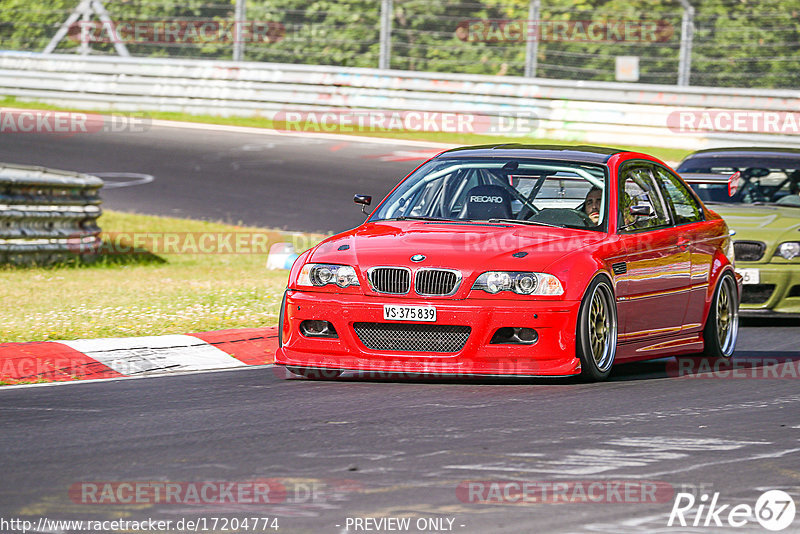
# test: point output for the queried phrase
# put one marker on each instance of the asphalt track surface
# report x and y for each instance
(377, 447)
(394, 448)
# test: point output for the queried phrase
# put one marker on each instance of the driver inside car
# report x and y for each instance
(591, 206)
(793, 198)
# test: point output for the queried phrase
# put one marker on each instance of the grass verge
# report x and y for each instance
(666, 154)
(148, 293)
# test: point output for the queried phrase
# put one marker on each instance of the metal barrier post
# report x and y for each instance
(238, 41)
(687, 35)
(385, 58)
(532, 39)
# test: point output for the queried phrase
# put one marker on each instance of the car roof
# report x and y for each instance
(581, 153)
(741, 157)
(772, 152)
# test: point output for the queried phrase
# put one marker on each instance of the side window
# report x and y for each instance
(684, 206)
(638, 188)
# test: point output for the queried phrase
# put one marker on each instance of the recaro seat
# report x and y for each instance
(487, 202)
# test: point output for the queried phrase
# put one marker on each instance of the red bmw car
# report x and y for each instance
(517, 260)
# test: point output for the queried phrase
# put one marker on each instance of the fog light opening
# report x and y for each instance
(318, 329)
(512, 335)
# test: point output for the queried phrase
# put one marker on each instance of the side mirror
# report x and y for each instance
(640, 210)
(364, 200)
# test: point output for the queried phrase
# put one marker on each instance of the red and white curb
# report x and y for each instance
(83, 359)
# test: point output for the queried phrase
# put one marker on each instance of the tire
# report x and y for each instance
(722, 324)
(315, 374)
(596, 342)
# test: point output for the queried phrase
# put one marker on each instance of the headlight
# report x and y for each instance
(789, 250)
(322, 274)
(522, 283)
(730, 252)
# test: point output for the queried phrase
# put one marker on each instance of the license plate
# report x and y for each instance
(749, 276)
(409, 313)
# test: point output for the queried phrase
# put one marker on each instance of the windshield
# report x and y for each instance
(515, 191)
(760, 181)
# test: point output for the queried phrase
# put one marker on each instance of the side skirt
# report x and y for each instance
(663, 347)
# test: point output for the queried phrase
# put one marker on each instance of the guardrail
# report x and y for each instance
(46, 215)
(591, 112)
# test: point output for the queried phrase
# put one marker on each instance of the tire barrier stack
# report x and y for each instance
(47, 216)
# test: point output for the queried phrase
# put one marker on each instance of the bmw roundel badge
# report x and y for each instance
(417, 257)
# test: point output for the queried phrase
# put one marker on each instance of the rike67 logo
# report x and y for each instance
(774, 510)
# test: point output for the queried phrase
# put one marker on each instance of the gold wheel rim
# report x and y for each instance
(727, 317)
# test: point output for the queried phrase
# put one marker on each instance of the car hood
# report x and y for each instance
(770, 224)
(470, 248)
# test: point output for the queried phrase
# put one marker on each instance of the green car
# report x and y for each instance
(757, 192)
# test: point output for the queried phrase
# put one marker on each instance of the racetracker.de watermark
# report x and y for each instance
(69, 123)
(694, 121)
(737, 368)
(238, 242)
(377, 120)
(261, 491)
(564, 492)
(581, 31)
(157, 492)
(507, 242)
(406, 369)
(31, 368)
(177, 32)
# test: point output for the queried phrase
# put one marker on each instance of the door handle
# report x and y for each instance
(683, 244)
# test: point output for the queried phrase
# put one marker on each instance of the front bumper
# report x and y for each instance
(552, 355)
(777, 293)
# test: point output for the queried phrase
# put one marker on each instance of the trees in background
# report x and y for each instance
(743, 43)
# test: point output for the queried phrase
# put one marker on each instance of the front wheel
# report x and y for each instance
(597, 330)
(722, 324)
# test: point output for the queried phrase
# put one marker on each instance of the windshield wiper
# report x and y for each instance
(521, 221)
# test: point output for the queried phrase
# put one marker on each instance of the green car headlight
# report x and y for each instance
(522, 283)
(730, 252)
(789, 250)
